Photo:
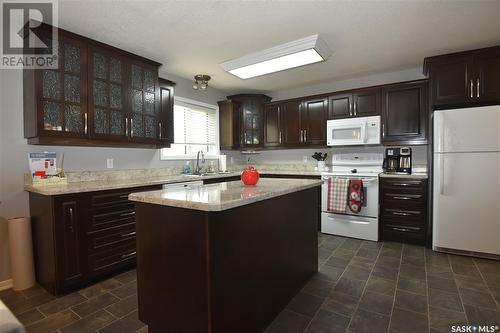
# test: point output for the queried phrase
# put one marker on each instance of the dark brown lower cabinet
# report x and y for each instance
(403, 210)
(82, 238)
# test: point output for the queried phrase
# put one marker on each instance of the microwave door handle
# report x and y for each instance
(364, 132)
(365, 126)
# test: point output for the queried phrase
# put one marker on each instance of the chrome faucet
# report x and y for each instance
(197, 170)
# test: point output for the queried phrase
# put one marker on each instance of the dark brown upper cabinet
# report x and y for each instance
(487, 65)
(144, 96)
(358, 103)
(340, 106)
(313, 118)
(273, 134)
(366, 102)
(55, 100)
(166, 118)
(229, 125)
(292, 127)
(296, 123)
(252, 119)
(470, 78)
(108, 102)
(404, 113)
(99, 95)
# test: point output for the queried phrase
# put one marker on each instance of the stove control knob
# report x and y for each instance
(354, 171)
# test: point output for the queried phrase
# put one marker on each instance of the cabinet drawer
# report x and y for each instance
(105, 261)
(403, 183)
(105, 219)
(108, 199)
(406, 215)
(110, 238)
(117, 197)
(394, 232)
(394, 199)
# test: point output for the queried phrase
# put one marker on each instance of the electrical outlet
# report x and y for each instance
(304, 159)
(109, 163)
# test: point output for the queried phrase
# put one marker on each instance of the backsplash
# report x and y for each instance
(302, 158)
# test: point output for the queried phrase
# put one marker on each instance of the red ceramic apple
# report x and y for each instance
(250, 176)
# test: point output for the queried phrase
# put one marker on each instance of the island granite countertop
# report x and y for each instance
(223, 196)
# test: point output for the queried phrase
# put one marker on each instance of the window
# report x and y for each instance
(195, 128)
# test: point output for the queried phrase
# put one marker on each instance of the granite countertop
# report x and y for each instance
(223, 196)
(91, 186)
(102, 185)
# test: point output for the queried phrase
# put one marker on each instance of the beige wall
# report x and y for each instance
(14, 150)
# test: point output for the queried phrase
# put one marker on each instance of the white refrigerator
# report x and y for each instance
(466, 190)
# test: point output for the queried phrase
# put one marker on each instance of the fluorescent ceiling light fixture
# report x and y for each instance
(301, 52)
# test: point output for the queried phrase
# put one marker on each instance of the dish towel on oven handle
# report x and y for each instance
(356, 195)
(337, 195)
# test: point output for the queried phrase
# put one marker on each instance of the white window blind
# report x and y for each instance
(195, 128)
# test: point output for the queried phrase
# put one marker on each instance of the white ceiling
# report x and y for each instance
(191, 37)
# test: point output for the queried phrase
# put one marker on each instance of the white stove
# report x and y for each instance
(362, 225)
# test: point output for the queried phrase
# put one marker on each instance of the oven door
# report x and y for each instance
(342, 133)
(370, 191)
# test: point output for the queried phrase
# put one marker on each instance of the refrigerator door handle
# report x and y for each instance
(441, 132)
(441, 178)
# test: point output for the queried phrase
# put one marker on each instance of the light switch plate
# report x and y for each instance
(109, 163)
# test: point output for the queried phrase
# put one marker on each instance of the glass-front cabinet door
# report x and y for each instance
(144, 116)
(252, 123)
(63, 97)
(107, 102)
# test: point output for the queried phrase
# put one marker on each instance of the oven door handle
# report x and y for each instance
(330, 217)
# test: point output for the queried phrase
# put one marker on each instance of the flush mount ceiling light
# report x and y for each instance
(300, 52)
(201, 82)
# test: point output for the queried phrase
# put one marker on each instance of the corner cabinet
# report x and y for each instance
(404, 113)
(99, 95)
(470, 78)
(242, 121)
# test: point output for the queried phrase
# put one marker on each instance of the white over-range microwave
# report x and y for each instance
(353, 131)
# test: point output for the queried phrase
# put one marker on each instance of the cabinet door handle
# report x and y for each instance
(72, 220)
(159, 124)
(406, 184)
(477, 88)
(471, 88)
(126, 126)
(280, 137)
(305, 135)
(245, 140)
(124, 256)
(86, 123)
(124, 196)
(131, 127)
(127, 214)
(350, 108)
(355, 109)
(383, 131)
(401, 214)
(406, 197)
(129, 234)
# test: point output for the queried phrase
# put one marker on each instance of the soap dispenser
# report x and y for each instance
(187, 168)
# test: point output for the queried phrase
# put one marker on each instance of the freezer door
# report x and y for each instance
(467, 130)
(467, 202)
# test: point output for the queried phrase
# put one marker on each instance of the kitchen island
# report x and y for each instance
(224, 257)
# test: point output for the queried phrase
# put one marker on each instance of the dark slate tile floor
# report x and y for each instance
(360, 287)
(371, 287)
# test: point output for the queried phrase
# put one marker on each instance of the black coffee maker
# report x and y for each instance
(397, 160)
